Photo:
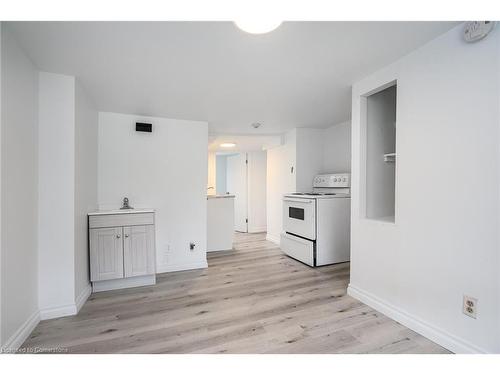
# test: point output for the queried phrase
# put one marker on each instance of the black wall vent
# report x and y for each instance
(143, 127)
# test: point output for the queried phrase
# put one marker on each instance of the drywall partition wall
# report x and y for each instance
(280, 179)
(67, 173)
(220, 173)
(19, 184)
(309, 156)
(165, 170)
(56, 198)
(1, 341)
(445, 243)
(380, 126)
(85, 186)
(257, 221)
(337, 148)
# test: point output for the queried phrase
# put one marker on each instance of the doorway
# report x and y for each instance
(237, 184)
(244, 176)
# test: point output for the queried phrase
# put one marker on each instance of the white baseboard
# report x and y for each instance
(273, 239)
(15, 341)
(58, 312)
(128, 282)
(83, 297)
(433, 333)
(23, 332)
(180, 267)
(215, 250)
(66, 310)
(257, 229)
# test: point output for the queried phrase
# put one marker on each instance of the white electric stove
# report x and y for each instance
(316, 224)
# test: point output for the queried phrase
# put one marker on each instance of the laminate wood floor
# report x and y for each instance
(252, 299)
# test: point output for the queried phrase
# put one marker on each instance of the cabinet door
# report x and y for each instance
(139, 250)
(106, 254)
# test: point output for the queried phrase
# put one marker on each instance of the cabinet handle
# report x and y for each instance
(118, 236)
(126, 236)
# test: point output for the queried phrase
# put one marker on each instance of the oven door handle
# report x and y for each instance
(297, 200)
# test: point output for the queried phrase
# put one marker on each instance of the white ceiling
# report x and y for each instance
(244, 143)
(298, 75)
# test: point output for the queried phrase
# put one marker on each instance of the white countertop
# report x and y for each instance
(220, 196)
(118, 212)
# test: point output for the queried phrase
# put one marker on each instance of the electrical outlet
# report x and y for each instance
(191, 246)
(470, 306)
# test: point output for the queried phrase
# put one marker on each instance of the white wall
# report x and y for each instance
(165, 170)
(19, 184)
(445, 241)
(337, 148)
(85, 184)
(220, 173)
(309, 156)
(1, 341)
(257, 164)
(56, 199)
(67, 173)
(281, 179)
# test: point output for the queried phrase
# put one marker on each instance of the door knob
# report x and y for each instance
(118, 236)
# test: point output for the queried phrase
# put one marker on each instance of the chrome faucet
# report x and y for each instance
(125, 205)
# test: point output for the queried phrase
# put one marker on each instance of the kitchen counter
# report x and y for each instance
(220, 196)
(118, 212)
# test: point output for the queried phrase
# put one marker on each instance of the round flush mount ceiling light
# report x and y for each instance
(228, 145)
(258, 26)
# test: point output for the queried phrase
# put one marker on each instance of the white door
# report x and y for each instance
(138, 250)
(237, 185)
(106, 254)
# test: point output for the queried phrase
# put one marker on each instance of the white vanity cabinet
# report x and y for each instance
(106, 254)
(122, 249)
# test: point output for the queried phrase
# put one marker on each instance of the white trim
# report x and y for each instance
(58, 312)
(214, 250)
(433, 333)
(273, 239)
(66, 310)
(181, 267)
(257, 229)
(128, 282)
(19, 337)
(83, 297)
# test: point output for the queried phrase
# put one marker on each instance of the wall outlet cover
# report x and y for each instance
(470, 306)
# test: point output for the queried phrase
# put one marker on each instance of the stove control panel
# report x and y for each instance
(336, 180)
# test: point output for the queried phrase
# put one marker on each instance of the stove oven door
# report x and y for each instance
(299, 217)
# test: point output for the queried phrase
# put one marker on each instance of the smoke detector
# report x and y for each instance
(256, 125)
(477, 30)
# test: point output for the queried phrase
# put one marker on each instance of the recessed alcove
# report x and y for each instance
(380, 169)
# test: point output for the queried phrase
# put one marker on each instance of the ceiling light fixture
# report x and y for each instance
(258, 26)
(227, 145)
(256, 125)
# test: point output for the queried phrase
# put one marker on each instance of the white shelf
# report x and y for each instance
(390, 158)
